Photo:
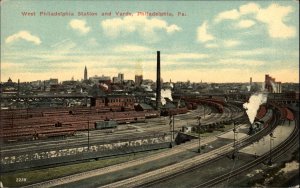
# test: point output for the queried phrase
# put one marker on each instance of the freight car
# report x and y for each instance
(173, 111)
(77, 121)
(151, 114)
(8, 135)
(217, 106)
(106, 125)
(191, 105)
(57, 132)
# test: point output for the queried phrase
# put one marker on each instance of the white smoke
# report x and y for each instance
(248, 88)
(104, 85)
(171, 85)
(165, 93)
(273, 86)
(252, 106)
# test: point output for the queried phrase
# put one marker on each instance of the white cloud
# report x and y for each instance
(172, 28)
(211, 45)
(24, 35)
(231, 43)
(228, 15)
(245, 24)
(249, 8)
(131, 48)
(79, 25)
(142, 25)
(235, 14)
(202, 34)
(274, 16)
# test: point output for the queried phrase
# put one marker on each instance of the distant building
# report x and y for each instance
(115, 80)
(129, 83)
(51, 81)
(9, 87)
(271, 85)
(36, 83)
(101, 79)
(138, 80)
(85, 74)
(114, 101)
(121, 77)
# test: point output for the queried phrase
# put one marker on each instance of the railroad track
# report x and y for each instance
(100, 136)
(277, 152)
(68, 144)
(243, 143)
(113, 168)
(162, 174)
(97, 172)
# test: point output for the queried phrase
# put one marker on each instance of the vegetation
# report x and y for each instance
(18, 179)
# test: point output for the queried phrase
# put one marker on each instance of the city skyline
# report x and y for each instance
(223, 42)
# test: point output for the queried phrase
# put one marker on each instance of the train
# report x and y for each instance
(65, 124)
(173, 111)
(9, 135)
(261, 123)
(215, 103)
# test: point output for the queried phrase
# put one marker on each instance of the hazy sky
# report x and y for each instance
(227, 41)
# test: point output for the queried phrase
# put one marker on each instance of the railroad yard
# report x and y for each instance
(160, 94)
(224, 153)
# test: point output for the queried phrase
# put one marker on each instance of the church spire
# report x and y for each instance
(85, 73)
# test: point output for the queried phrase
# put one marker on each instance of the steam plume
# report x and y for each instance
(253, 105)
(273, 86)
(165, 93)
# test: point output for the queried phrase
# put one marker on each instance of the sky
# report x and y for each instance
(209, 41)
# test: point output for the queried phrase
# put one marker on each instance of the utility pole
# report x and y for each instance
(173, 132)
(271, 139)
(170, 123)
(234, 140)
(199, 124)
(88, 135)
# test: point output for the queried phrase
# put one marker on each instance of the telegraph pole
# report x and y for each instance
(234, 140)
(199, 124)
(173, 132)
(170, 123)
(88, 135)
(271, 139)
(199, 137)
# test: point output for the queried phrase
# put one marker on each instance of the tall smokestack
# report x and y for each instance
(158, 88)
